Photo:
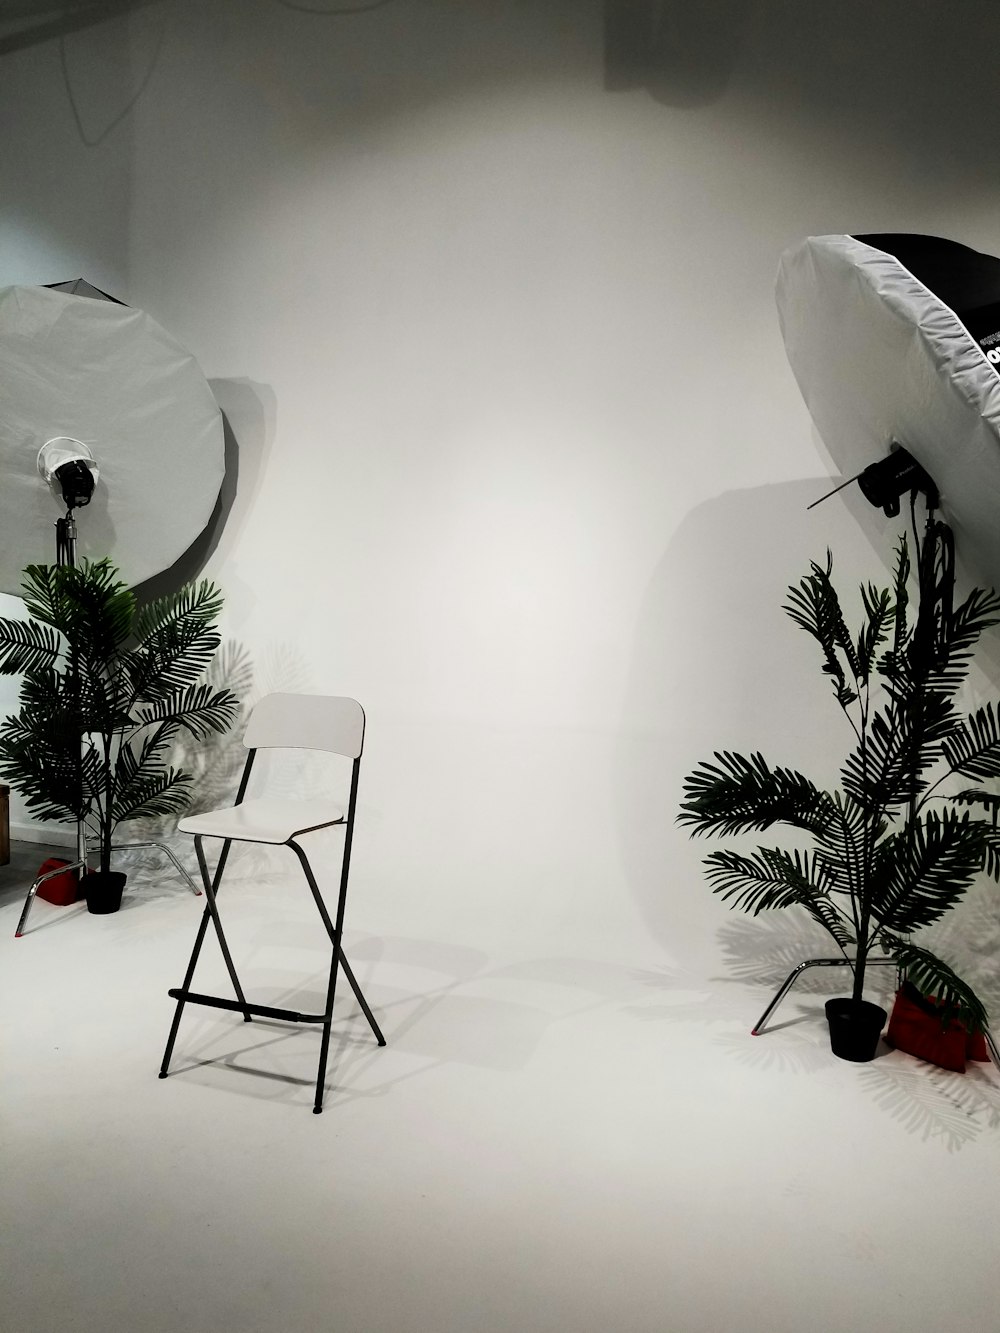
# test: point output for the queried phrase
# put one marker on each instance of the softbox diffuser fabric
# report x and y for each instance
(108, 375)
(881, 359)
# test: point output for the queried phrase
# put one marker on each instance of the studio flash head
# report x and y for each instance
(68, 464)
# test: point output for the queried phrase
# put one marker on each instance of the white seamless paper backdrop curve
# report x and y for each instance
(108, 375)
(880, 359)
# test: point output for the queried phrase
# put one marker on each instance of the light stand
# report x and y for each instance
(69, 464)
(72, 469)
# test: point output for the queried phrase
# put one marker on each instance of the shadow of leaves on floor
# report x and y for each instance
(929, 1102)
(935, 1103)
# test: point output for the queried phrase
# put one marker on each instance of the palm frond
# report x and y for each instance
(922, 871)
(42, 763)
(172, 658)
(814, 606)
(933, 977)
(166, 793)
(197, 602)
(880, 772)
(991, 852)
(985, 800)
(833, 920)
(736, 794)
(879, 611)
(200, 710)
(901, 597)
(773, 878)
(27, 645)
(844, 844)
(973, 745)
(989, 803)
(89, 604)
(980, 611)
(176, 641)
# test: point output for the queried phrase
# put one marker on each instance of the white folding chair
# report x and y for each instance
(297, 722)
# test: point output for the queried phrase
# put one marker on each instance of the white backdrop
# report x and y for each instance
(522, 464)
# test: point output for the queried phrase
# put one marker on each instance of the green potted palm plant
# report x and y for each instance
(911, 826)
(107, 687)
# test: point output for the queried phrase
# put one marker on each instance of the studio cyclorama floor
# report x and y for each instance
(550, 1141)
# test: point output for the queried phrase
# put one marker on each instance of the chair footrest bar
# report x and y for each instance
(258, 1010)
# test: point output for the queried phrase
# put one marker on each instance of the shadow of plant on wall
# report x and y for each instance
(214, 764)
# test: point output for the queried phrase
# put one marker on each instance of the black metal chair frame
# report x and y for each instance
(184, 995)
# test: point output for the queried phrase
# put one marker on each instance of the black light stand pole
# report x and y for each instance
(66, 557)
(66, 540)
(76, 479)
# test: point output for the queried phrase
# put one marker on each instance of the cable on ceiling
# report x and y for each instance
(74, 107)
(332, 13)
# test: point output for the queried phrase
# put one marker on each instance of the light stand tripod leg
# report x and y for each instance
(794, 975)
(60, 870)
(162, 847)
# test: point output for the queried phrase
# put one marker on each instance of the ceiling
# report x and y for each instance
(27, 22)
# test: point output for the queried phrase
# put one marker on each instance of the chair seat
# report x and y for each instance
(270, 821)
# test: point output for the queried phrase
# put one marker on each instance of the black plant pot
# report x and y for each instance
(104, 890)
(855, 1027)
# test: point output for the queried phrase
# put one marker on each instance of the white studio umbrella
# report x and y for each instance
(109, 376)
(893, 341)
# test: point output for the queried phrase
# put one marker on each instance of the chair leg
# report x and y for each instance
(331, 931)
(324, 1046)
(185, 986)
(334, 937)
(206, 916)
(361, 999)
(210, 894)
(335, 933)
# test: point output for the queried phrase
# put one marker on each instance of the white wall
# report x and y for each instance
(523, 465)
(64, 203)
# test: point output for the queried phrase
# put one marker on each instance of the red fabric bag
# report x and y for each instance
(915, 1027)
(60, 889)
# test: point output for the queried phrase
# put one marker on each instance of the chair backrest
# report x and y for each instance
(307, 722)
